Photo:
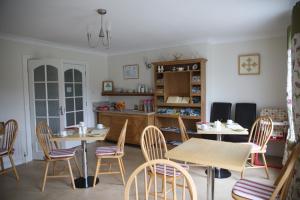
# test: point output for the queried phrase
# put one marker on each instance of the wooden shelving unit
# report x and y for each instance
(183, 78)
(126, 94)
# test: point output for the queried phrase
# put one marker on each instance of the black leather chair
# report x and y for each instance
(219, 111)
(245, 115)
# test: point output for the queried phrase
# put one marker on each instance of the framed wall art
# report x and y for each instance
(131, 71)
(249, 64)
(107, 86)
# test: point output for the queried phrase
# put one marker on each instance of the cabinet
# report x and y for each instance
(137, 121)
(184, 80)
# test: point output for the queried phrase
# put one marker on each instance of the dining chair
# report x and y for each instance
(245, 115)
(260, 134)
(183, 132)
(153, 145)
(138, 182)
(53, 154)
(7, 148)
(248, 189)
(112, 152)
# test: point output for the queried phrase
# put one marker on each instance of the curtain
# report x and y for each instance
(294, 192)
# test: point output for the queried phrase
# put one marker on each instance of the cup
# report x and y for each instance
(204, 126)
(63, 133)
(100, 126)
(229, 122)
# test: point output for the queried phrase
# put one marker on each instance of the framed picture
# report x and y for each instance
(107, 86)
(131, 71)
(249, 64)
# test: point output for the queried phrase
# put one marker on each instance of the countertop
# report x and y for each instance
(128, 112)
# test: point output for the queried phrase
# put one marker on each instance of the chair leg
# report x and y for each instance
(242, 173)
(2, 165)
(45, 176)
(149, 184)
(121, 170)
(76, 163)
(265, 164)
(13, 166)
(123, 166)
(96, 171)
(71, 174)
(53, 169)
(252, 158)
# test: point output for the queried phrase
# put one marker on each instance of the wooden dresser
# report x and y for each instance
(137, 121)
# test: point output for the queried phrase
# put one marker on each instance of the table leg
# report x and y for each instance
(210, 183)
(221, 173)
(85, 181)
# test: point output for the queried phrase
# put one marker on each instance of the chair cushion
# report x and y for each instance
(3, 151)
(62, 153)
(169, 169)
(255, 148)
(106, 151)
(252, 190)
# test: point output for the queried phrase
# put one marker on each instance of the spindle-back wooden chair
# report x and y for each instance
(53, 154)
(7, 148)
(139, 181)
(154, 147)
(112, 152)
(246, 189)
(260, 134)
(183, 132)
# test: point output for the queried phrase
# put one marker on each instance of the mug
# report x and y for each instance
(229, 121)
(204, 126)
(100, 126)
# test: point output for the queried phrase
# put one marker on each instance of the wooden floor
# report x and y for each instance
(110, 186)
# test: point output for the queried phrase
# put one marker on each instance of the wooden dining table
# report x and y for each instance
(211, 153)
(91, 135)
(232, 129)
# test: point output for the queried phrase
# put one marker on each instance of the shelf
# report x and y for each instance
(195, 83)
(168, 72)
(176, 116)
(126, 94)
(196, 95)
(180, 105)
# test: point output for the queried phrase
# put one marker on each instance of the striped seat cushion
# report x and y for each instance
(3, 151)
(252, 190)
(160, 169)
(106, 151)
(62, 153)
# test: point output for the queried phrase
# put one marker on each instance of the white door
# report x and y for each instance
(51, 88)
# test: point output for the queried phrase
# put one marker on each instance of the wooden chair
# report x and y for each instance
(187, 191)
(53, 154)
(10, 133)
(112, 152)
(247, 189)
(154, 147)
(260, 134)
(183, 133)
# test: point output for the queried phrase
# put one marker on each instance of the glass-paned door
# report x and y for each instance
(57, 96)
(74, 79)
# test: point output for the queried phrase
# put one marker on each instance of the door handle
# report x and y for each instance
(61, 110)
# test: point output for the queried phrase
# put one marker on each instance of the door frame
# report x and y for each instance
(26, 99)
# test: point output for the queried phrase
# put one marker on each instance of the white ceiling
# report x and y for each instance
(145, 24)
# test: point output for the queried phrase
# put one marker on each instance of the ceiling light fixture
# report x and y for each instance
(104, 36)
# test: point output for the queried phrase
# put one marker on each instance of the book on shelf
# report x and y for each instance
(177, 99)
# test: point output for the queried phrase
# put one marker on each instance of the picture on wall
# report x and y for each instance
(107, 86)
(131, 71)
(249, 64)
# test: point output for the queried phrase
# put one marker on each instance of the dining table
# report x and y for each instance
(224, 129)
(211, 153)
(91, 135)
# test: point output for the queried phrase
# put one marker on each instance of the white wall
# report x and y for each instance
(11, 81)
(223, 81)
